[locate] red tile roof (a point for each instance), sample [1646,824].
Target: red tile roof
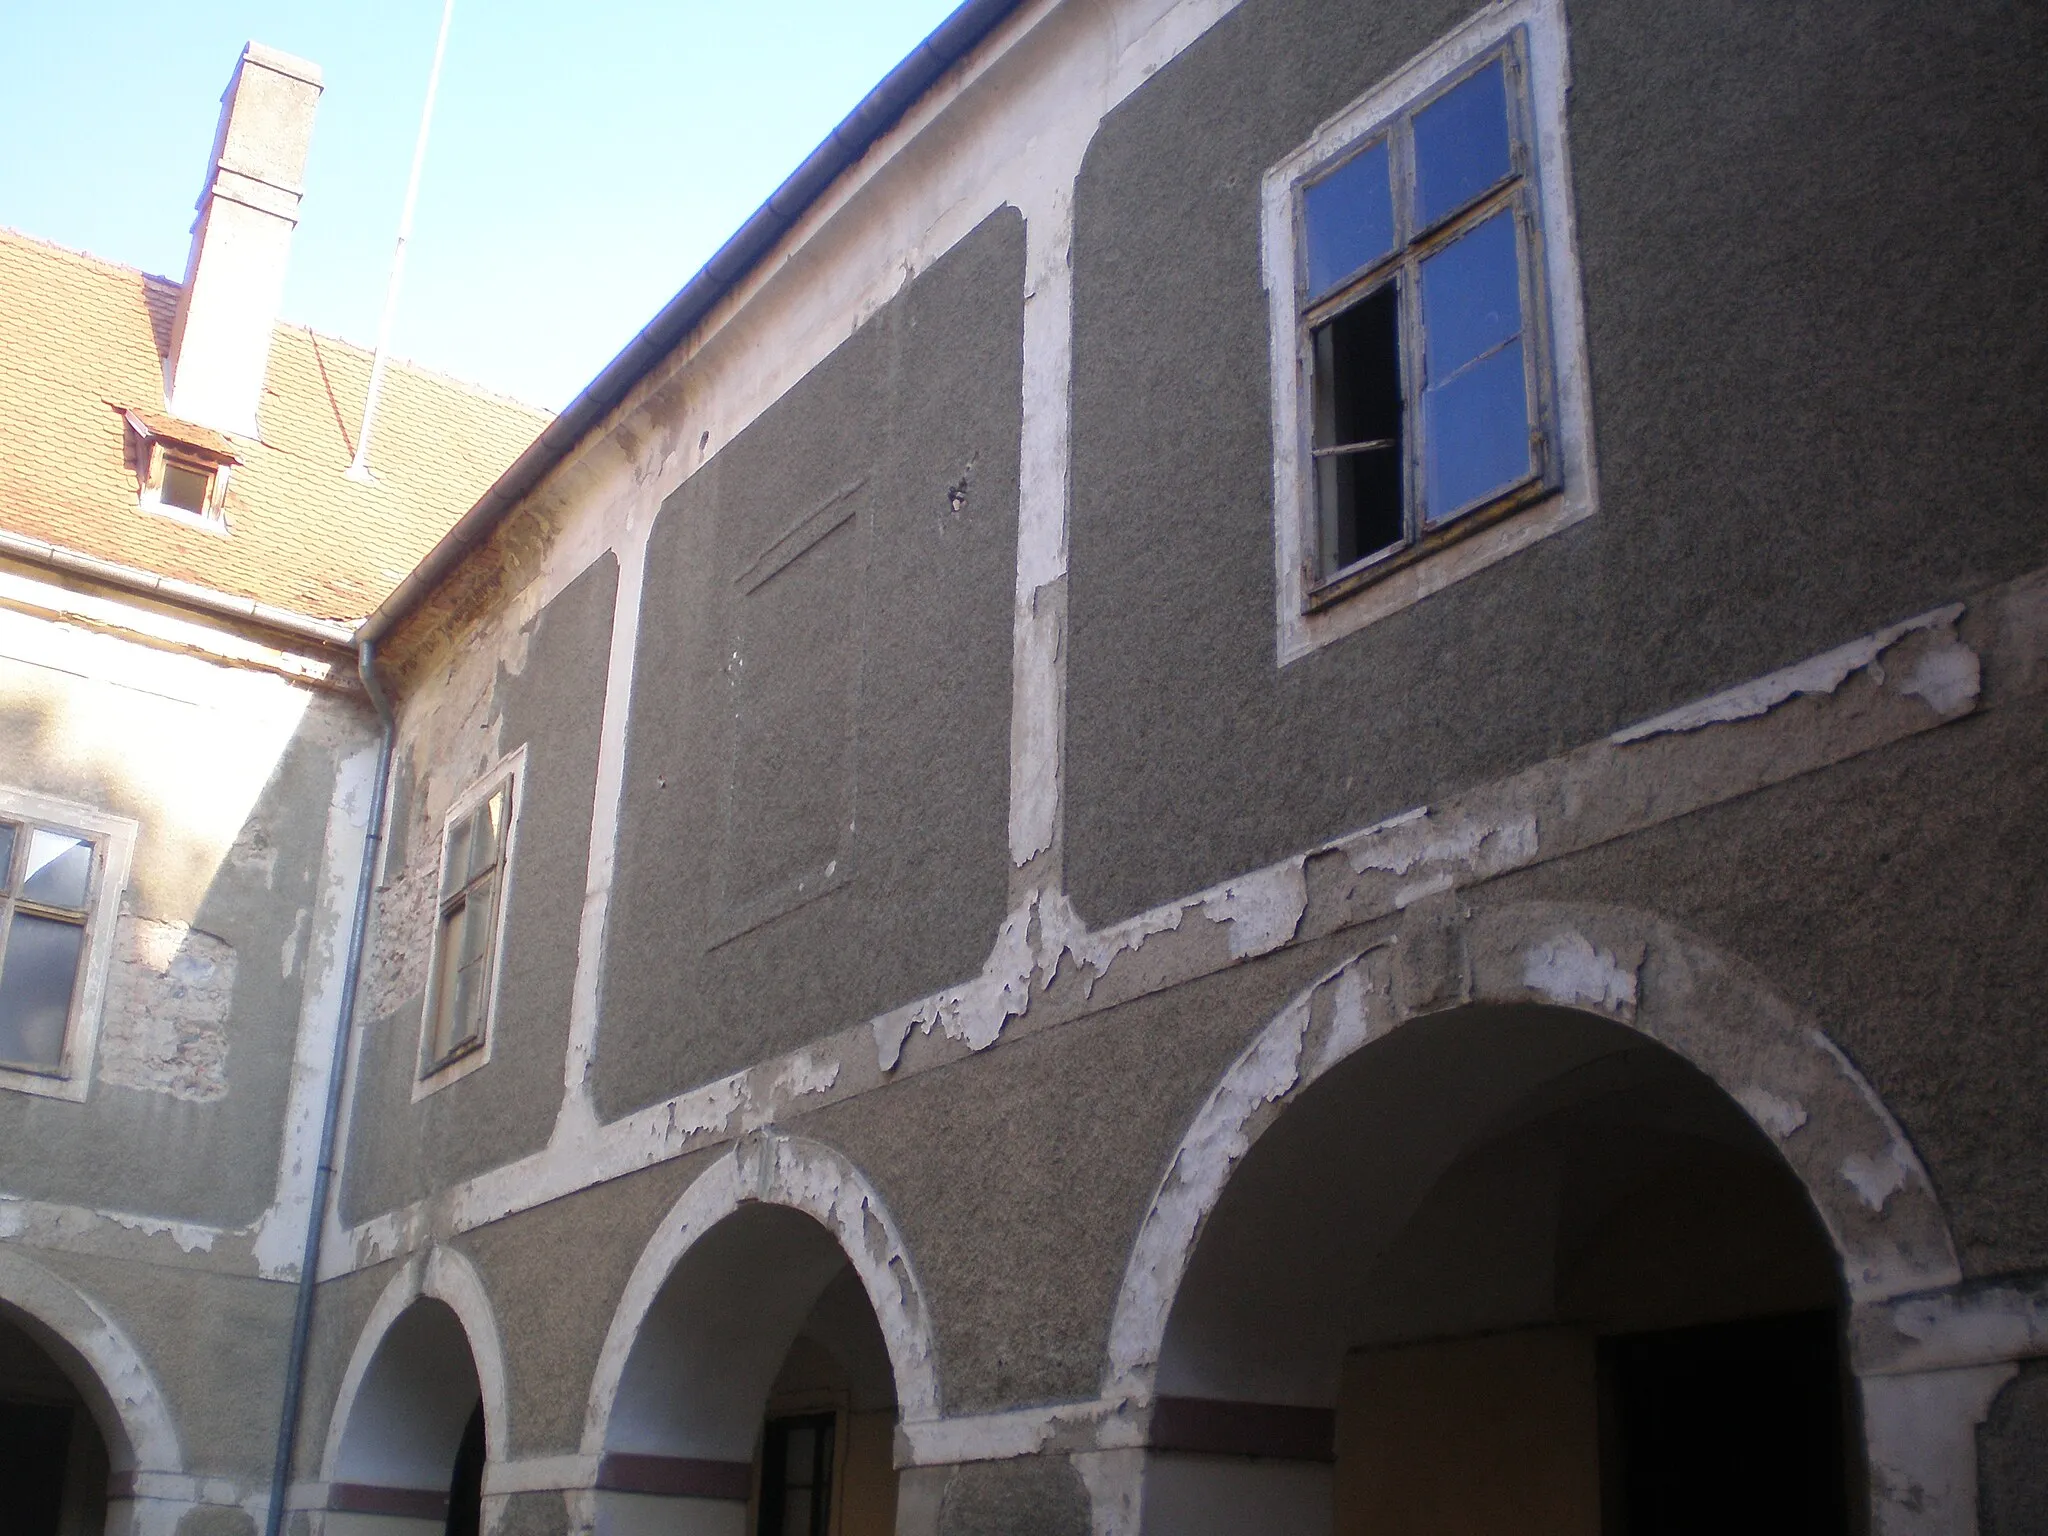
[80,338]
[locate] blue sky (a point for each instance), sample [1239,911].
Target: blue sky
[586,159]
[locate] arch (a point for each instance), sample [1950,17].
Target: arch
[1865,1182]
[101,1361]
[765,1169]
[443,1275]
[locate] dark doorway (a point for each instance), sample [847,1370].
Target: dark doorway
[466,1488]
[1729,1427]
[35,1440]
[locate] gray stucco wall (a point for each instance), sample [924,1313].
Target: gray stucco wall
[187,1124]
[815,800]
[1818,399]
[554,705]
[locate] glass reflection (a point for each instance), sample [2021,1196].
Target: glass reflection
[36,978]
[59,870]
[1478,432]
[1349,216]
[1461,145]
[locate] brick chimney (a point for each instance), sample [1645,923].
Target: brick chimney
[234,277]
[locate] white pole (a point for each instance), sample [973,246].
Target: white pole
[359,469]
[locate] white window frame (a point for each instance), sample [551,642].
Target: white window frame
[431,1076]
[115,836]
[1306,619]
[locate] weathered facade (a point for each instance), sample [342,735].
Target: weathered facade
[945,952]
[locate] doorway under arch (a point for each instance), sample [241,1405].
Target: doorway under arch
[54,1457]
[1507,1268]
[769,1341]
[409,1458]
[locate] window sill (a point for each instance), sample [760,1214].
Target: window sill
[53,1084]
[1365,594]
[452,1068]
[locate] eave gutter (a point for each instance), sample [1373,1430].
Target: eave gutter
[879,111]
[184,594]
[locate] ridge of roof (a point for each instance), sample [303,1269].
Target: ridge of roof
[965,29]
[88,257]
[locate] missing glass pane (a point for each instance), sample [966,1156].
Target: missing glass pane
[1358,438]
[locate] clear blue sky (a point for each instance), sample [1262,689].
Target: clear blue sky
[586,158]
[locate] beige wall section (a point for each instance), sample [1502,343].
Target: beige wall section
[1473,1436]
[867,1476]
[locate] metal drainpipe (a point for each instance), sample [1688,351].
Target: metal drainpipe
[323,1175]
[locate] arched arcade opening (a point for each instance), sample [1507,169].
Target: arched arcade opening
[54,1452]
[1508,1269]
[765,1350]
[408,1456]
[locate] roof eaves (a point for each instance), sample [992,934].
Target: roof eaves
[879,111]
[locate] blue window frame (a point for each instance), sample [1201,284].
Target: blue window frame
[1420,302]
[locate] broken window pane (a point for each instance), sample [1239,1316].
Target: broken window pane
[1471,297]
[1461,145]
[59,870]
[1349,216]
[37,974]
[1358,429]
[1477,426]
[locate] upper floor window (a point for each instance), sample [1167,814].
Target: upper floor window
[61,871]
[1418,253]
[476,857]
[180,469]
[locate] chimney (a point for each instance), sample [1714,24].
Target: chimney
[234,277]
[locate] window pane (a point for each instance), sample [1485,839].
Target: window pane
[1471,297]
[477,913]
[183,488]
[1461,145]
[1478,426]
[490,826]
[59,870]
[1349,218]
[36,977]
[7,830]
[455,862]
[447,969]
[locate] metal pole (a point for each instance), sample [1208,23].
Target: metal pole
[359,468]
[337,1067]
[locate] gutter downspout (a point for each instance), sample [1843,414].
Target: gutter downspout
[323,1175]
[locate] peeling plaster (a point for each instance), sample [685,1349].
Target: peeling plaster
[1779,1115]
[1877,1179]
[1569,971]
[1947,678]
[165,1029]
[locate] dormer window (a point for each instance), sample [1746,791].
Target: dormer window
[181,470]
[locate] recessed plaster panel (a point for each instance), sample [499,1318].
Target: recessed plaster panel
[554,705]
[814,809]
[1801,235]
